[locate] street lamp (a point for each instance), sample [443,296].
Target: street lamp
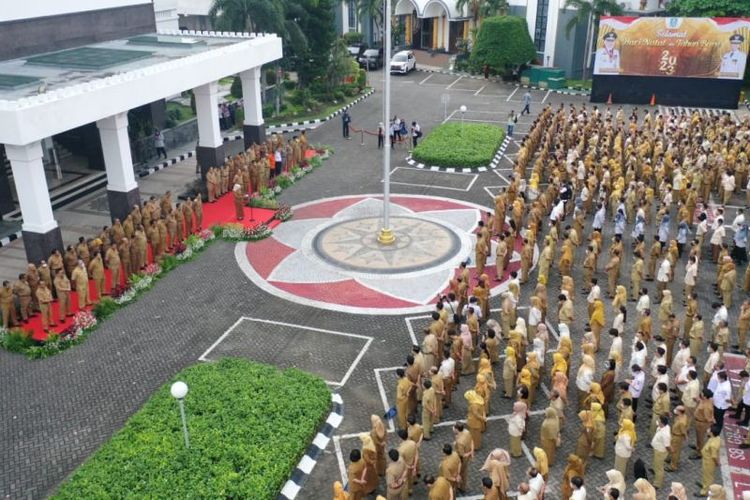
[463,112]
[179,390]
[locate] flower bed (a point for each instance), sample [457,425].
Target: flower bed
[85,322]
[249,425]
[456,145]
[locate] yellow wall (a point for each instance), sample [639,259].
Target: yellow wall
[435,27]
[408,30]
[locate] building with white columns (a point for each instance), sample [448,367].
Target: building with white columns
[43,94]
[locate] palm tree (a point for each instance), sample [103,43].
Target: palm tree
[374,9]
[248,15]
[589,12]
[475,8]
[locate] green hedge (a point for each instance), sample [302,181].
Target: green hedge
[454,145]
[249,426]
[503,42]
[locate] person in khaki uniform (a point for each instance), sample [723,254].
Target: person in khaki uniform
[704,419]
[403,388]
[613,273]
[44,297]
[481,251]
[450,467]
[728,282]
[500,252]
[114,264]
[660,443]
[710,458]
[679,434]
[141,246]
[464,447]
[654,255]
[8,305]
[22,289]
[476,419]
[395,477]
[356,474]
[70,260]
[198,211]
[62,287]
[81,279]
[55,263]
[82,249]
[410,455]
[96,272]
[429,408]
[696,335]
[636,275]
[187,211]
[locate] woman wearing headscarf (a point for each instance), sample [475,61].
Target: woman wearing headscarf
[338,491]
[541,462]
[496,466]
[677,490]
[370,457]
[616,481]
[467,363]
[516,427]
[665,309]
[476,419]
[509,372]
[621,297]
[380,438]
[568,285]
[539,345]
[532,365]
[607,384]
[524,382]
[644,490]
[558,364]
[541,293]
[564,344]
[560,384]
[550,434]
[600,429]
[482,387]
[717,492]
[584,378]
[624,445]
[595,395]
[596,320]
[575,467]
[239,202]
[586,437]
[535,314]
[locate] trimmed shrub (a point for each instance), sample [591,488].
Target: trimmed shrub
[454,145]
[249,425]
[502,43]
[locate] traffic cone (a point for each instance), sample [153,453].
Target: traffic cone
[653,99]
[609,99]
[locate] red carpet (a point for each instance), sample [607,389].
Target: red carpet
[220,212]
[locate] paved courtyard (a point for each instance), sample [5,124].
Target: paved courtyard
[56,412]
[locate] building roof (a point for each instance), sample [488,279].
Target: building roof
[73,87]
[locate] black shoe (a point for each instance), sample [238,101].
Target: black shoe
[693,447]
[695,457]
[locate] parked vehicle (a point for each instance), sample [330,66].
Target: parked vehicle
[403,62]
[371,59]
[356,50]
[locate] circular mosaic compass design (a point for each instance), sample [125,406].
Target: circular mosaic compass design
[327,255]
[353,245]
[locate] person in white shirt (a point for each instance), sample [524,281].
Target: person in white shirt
[558,211]
[722,398]
[721,315]
[595,293]
[659,359]
[536,482]
[663,275]
[744,403]
[584,378]
[681,357]
[662,377]
[660,443]
[636,386]
[644,302]
[639,353]
[615,350]
[728,185]
[525,493]
[717,238]
[739,219]
[713,359]
[579,490]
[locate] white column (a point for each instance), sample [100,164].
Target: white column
[207,109]
[251,96]
[553,15]
[116,149]
[531,16]
[31,187]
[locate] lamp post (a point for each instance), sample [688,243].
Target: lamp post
[386,236]
[179,390]
[463,112]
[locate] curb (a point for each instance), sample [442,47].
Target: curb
[452,170]
[320,120]
[305,466]
[166,163]
[4,242]
[566,91]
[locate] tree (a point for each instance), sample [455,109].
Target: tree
[374,9]
[475,8]
[589,12]
[709,8]
[502,43]
[247,15]
[494,7]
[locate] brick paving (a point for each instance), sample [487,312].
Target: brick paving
[56,412]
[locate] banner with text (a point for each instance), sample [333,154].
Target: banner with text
[697,47]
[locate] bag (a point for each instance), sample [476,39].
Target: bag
[515,119]
[419,133]
[403,130]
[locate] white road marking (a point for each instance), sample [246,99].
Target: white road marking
[480,90]
[512,93]
[427,78]
[546,95]
[454,82]
[383,395]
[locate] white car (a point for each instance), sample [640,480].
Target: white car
[403,62]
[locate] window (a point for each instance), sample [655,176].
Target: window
[540,29]
[351,7]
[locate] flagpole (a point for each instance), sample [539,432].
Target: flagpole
[386,236]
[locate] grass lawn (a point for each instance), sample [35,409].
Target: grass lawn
[584,84]
[249,425]
[456,145]
[322,112]
[185,112]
